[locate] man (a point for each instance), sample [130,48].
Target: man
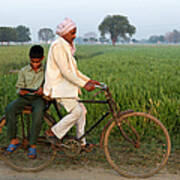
[63,79]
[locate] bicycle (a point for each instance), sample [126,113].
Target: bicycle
[135,144]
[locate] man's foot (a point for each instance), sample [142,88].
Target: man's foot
[52,138]
[32,152]
[13,146]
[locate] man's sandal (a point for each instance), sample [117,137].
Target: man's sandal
[52,138]
[12,147]
[32,153]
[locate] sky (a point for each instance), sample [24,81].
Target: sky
[150,17]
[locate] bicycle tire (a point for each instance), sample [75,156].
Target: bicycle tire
[139,148]
[19,161]
[3,137]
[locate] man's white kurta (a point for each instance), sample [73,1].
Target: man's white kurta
[62,78]
[62,81]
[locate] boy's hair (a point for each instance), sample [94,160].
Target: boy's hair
[36,51]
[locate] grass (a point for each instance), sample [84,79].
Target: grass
[142,78]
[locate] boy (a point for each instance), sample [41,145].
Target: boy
[29,85]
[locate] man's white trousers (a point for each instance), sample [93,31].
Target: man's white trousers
[77,115]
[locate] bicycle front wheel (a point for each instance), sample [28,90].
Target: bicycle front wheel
[137,145]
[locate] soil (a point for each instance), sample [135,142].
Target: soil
[87,167]
[85,173]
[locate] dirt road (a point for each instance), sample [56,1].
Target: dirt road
[78,174]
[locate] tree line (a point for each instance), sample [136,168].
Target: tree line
[169,37]
[117,26]
[22,34]
[17,34]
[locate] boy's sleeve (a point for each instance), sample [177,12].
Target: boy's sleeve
[21,81]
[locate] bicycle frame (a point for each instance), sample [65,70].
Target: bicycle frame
[109,101]
[108,140]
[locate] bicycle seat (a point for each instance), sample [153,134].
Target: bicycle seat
[28,109]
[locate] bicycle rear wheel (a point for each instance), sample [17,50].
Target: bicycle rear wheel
[19,160]
[3,136]
[137,146]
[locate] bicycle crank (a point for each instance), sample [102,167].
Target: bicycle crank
[71,147]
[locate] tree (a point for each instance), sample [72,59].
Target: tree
[176,36]
[45,34]
[104,40]
[173,37]
[135,41]
[169,37]
[23,34]
[90,37]
[156,39]
[8,34]
[116,26]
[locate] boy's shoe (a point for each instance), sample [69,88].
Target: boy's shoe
[13,146]
[32,153]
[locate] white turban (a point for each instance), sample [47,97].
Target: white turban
[65,26]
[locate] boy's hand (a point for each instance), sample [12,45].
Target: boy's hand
[39,91]
[23,92]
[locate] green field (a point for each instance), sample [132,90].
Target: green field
[142,78]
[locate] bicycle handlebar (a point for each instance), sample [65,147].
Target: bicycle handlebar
[102,86]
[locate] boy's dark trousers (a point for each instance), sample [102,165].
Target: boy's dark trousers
[38,106]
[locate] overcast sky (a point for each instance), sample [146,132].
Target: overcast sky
[150,17]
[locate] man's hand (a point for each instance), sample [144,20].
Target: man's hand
[23,92]
[39,91]
[89,86]
[95,82]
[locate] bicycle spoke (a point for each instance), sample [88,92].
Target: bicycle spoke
[19,160]
[133,160]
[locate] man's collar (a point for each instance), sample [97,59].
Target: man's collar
[64,41]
